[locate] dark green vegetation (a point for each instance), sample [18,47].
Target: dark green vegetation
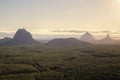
[44,63]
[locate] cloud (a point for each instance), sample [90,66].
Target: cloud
[78,31]
[3,34]
[93,32]
[100,31]
[69,31]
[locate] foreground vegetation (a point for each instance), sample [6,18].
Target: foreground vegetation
[45,63]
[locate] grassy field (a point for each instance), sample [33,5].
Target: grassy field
[96,62]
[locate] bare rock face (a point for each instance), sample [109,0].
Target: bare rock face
[23,35]
[21,38]
[87,37]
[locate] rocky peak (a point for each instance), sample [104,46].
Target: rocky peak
[87,37]
[21,38]
[107,38]
[22,35]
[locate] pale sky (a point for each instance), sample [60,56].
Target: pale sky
[43,16]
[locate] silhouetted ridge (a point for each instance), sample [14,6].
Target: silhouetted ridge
[22,35]
[108,40]
[4,40]
[69,42]
[21,38]
[87,37]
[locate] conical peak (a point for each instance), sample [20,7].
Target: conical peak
[87,33]
[107,38]
[87,37]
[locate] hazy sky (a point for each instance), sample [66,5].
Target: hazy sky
[40,16]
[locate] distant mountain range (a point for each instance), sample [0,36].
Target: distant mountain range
[87,37]
[23,38]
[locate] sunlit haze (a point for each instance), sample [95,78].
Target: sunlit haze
[61,17]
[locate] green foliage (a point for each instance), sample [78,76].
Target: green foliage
[16,68]
[44,63]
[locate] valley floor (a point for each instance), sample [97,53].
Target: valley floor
[96,62]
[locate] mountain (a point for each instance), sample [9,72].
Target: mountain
[4,40]
[108,40]
[23,35]
[67,42]
[87,37]
[21,38]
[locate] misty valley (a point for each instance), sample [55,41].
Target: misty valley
[59,39]
[23,58]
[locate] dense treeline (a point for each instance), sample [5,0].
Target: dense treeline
[44,63]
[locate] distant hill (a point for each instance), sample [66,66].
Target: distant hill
[87,37]
[4,40]
[108,40]
[67,42]
[21,38]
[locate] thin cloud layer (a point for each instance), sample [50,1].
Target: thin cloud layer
[77,31]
